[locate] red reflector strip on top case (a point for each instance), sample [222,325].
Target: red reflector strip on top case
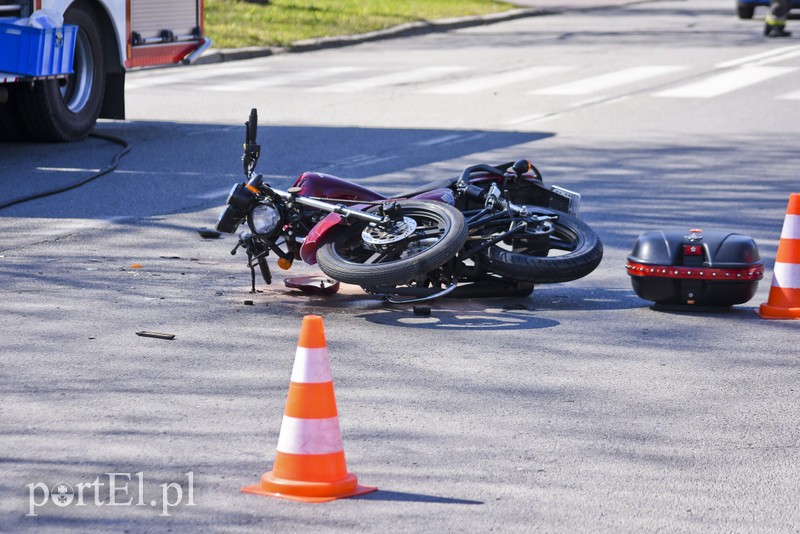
[692,250]
[695,273]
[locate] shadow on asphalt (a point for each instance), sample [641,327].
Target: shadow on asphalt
[461,319]
[176,168]
[400,496]
[626,189]
[504,314]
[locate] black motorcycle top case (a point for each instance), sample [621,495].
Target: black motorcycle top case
[711,268]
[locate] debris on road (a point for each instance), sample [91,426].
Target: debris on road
[207,233]
[315,285]
[158,335]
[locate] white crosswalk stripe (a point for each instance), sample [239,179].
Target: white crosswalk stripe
[393,78]
[608,81]
[185,74]
[492,81]
[725,78]
[789,96]
[762,58]
[725,82]
[283,79]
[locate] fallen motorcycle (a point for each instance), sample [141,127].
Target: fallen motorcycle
[375,243]
[493,231]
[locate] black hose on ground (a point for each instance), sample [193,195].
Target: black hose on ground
[111,167]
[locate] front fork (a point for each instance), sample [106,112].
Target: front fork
[257,251]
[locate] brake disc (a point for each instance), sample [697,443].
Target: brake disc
[538,226]
[379,235]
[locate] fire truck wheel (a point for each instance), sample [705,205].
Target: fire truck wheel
[67,109]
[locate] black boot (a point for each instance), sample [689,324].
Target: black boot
[775,30]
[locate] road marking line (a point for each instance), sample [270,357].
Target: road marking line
[273,80]
[65,169]
[438,140]
[782,57]
[181,75]
[372,160]
[769,55]
[221,193]
[482,83]
[394,78]
[449,139]
[137,173]
[725,82]
[789,96]
[356,158]
[528,118]
[607,81]
[591,102]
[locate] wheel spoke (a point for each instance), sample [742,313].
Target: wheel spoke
[377,257]
[419,236]
[426,232]
[558,244]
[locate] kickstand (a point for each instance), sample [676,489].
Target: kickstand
[252,272]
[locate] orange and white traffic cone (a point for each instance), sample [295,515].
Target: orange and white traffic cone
[309,460]
[784,295]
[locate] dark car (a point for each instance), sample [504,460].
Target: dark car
[747,8]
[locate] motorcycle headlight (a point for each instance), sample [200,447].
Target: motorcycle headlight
[240,197]
[229,219]
[265,219]
[239,201]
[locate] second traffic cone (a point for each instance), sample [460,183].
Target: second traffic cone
[309,460]
[784,294]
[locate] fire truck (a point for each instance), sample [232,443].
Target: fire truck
[109,37]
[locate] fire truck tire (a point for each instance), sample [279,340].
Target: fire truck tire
[67,110]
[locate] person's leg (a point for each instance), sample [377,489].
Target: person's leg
[775,22]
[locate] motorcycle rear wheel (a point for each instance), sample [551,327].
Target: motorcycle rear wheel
[573,251]
[439,234]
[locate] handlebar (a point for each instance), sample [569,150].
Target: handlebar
[493,197]
[482,167]
[252,150]
[252,127]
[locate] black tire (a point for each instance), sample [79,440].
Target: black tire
[67,110]
[745,11]
[577,249]
[349,259]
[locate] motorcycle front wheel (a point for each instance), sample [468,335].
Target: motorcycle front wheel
[570,251]
[425,236]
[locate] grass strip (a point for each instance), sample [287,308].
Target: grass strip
[245,23]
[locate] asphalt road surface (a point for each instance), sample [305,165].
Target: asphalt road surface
[577,408]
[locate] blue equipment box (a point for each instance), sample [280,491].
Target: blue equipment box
[31,51]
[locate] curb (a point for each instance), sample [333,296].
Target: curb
[404,30]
